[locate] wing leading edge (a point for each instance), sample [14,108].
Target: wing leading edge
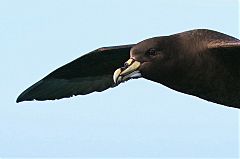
[88,73]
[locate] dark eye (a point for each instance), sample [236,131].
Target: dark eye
[151,52]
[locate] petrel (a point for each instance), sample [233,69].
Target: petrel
[201,62]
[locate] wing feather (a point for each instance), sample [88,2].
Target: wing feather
[89,73]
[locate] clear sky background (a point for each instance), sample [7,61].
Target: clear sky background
[139,118]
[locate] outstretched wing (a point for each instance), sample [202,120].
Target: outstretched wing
[89,73]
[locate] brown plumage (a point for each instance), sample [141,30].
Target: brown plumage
[203,63]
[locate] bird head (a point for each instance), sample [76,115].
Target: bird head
[149,58]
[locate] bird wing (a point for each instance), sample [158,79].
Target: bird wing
[227,51]
[88,73]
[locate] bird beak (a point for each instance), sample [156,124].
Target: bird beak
[129,71]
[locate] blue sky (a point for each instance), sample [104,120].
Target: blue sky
[139,118]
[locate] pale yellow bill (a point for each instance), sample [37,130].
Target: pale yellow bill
[129,71]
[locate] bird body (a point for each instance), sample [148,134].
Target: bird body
[201,62]
[197,64]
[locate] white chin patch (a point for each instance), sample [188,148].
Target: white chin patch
[133,75]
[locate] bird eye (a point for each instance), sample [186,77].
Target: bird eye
[151,52]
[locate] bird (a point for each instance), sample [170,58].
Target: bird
[200,62]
